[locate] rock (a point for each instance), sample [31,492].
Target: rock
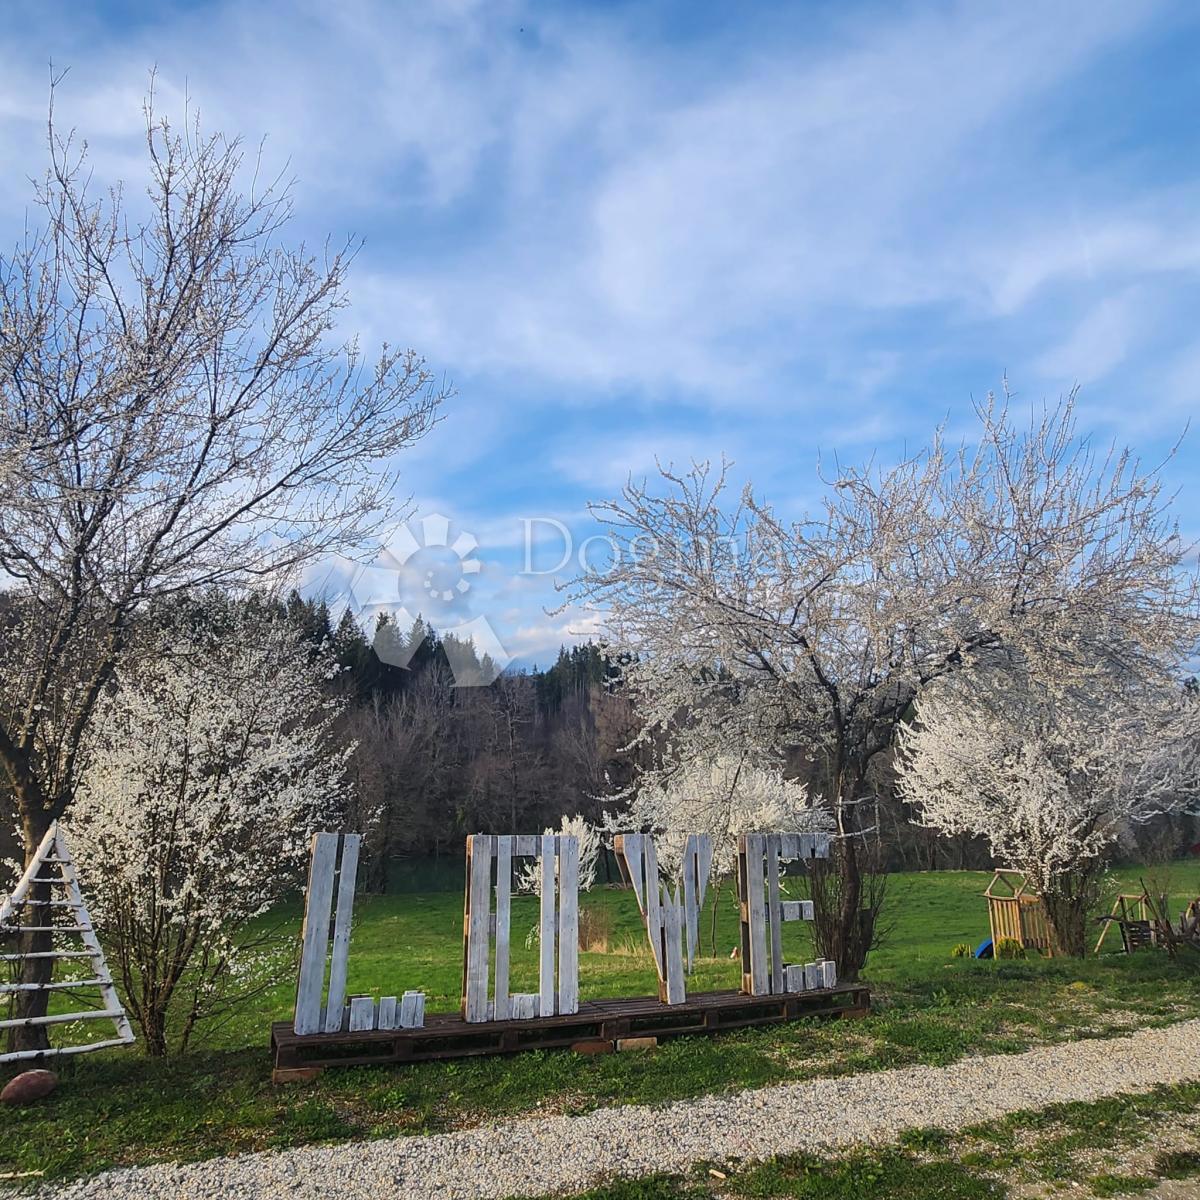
[637,1043]
[593,1046]
[28,1087]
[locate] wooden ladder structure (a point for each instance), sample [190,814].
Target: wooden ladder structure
[53,868]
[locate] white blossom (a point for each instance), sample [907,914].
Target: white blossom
[724,798]
[209,766]
[1050,776]
[529,876]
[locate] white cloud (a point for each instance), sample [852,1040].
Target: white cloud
[1099,341]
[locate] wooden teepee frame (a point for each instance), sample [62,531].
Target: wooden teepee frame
[52,866]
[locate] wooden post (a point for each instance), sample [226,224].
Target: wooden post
[315,939]
[340,955]
[546,930]
[568,924]
[476,920]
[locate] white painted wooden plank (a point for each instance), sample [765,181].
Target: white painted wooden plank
[87,934]
[828,973]
[568,924]
[408,1005]
[672,910]
[654,918]
[362,1014]
[475,997]
[691,913]
[387,1012]
[704,870]
[318,899]
[339,958]
[774,920]
[546,966]
[525,1006]
[30,875]
[504,848]
[759,979]
[631,849]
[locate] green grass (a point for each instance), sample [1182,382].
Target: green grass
[1047,1148]
[122,1108]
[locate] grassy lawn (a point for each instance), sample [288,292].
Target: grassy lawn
[123,1108]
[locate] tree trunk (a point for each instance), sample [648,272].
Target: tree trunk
[35,824]
[847,891]
[1068,902]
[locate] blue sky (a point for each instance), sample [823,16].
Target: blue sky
[680,230]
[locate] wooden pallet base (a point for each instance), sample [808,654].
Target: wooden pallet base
[447,1035]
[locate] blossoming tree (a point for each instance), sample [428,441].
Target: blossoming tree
[817,635]
[208,765]
[1052,775]
[176,412]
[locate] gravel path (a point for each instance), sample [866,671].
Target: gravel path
[533,1156]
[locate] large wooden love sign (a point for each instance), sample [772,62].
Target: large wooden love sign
[328,1027]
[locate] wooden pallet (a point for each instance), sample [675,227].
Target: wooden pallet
[447,1035]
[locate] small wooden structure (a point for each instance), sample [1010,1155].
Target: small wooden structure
[487,933]
[762,913]
[1017,913]
[668,915]
[48,900]
[318,1010]
[597,1025]
[1132,915]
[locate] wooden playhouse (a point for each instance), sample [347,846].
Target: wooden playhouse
[1017,913]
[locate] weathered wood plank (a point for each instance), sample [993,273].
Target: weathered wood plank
[504,847]
[526,845]
[631,850]
[828,973]
[339,958]
[525,1006]
[318,899]
[568,924]
[774,918]
[475,993]
[387,1012]
[794,977]
[653,911]
[813,976]
[691,912]
[796,910]
[546,929]
[412,1010]
[362,1013]
[760,983]
[672,912]
[704,868]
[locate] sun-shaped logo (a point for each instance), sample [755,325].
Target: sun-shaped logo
[424,559]
[446,577]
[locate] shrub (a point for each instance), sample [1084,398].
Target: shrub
[595,928]
[962,950]
[1009,948]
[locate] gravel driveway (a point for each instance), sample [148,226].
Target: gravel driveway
[536,1155]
